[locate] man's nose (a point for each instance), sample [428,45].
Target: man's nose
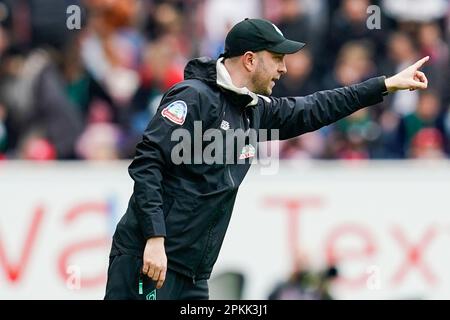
[283,68]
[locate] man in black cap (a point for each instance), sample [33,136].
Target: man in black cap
[166,244]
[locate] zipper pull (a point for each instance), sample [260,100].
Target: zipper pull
[193,280]
[141,285]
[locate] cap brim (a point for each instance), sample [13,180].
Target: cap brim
[287,47]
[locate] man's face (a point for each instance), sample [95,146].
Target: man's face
[269,68]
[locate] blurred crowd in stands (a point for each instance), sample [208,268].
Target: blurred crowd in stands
[89,93]
[305,282]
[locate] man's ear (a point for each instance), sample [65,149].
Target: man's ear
[249,60]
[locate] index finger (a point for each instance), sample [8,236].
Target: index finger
[420,63]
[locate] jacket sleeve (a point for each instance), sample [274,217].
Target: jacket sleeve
[153,158]
[297,115]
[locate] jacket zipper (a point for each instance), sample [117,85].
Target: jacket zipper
[245,121]
[243,127]
[231,177]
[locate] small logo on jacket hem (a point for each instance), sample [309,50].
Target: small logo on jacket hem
[151,295]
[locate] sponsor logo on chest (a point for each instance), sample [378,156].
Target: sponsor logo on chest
[248,151]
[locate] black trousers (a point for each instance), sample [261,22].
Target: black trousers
[125,282]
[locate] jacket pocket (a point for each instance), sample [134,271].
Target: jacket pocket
[179,218]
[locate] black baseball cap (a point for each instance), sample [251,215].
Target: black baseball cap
[256,35]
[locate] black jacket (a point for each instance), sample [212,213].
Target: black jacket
[191,204]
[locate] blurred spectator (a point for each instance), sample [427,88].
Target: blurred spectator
[311,14]
[100,141]
[431,43]
[428,143]
[32,92]
[166,20]
[161,69]
[358,132]
[354,64]
[111,51]
[402,52]
[305,284]
[307,146]
[317,12]
[293,21]
[38,149]
[4,41]
[427,115]
[299,81]
[219,16]
[348,23]
[82,89]
[388,145]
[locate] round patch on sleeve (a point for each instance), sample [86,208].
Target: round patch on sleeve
[175,112]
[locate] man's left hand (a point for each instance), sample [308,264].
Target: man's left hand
[410,78]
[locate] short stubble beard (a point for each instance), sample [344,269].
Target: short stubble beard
[258,81]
